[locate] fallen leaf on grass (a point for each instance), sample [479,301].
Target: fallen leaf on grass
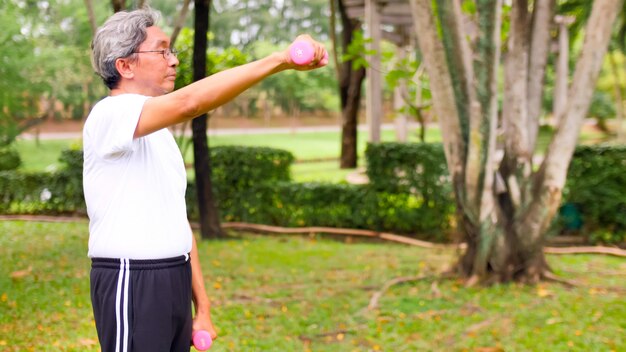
[21,273]
[87,342]
[543,292]
[553,321]
[597,291]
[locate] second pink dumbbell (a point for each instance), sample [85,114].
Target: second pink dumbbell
[201,340]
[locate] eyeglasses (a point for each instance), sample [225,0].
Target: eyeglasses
[167,53]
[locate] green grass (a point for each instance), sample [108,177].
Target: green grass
[322,171]
[290,293]
[305,145]
[320,150]
[43,155]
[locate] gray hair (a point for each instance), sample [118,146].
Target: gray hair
[119,37]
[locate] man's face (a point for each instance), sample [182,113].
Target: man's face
[154,73]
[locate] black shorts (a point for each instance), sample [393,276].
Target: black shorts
[142,305]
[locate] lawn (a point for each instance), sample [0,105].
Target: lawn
[43,155]
[317,153]
[292,293]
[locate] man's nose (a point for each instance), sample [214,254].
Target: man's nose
[173,61]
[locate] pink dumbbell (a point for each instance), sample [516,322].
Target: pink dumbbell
[201,340]
[302,52]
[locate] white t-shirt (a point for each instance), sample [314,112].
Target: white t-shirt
[134,188]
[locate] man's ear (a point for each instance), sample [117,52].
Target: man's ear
[125,67]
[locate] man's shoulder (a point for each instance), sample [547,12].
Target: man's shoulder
[113,105]
[120,100]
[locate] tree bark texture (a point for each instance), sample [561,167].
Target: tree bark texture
[350,82]
[504,211]
[210,226]
[92,16]
[537,62]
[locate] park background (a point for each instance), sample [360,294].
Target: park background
[316,291]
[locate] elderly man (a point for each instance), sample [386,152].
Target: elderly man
[145,267]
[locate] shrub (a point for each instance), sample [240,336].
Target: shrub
[253,184]
[236,172]
[44,193]
[39,193]
[596,187]
[336,205]
[416,171]
[238,168]
[9,159]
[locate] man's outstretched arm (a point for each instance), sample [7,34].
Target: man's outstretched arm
[211,92]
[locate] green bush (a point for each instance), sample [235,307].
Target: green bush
[596,186]
[336,205]
[237,171]
[418,168]
[252,185]
[417,175]
[9,159]
[303,204]
[39,193]
[409,191]
[60,192]
[238,168]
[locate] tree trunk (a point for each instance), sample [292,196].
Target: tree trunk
[350,82]
[619,97]
[550,179]
[210,226]
[537,61]
[91,16]
[118,5]
[562,71]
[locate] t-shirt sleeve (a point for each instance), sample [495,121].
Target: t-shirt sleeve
[113,128]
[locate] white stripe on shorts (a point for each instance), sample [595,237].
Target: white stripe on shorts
[122,277]
[127,275]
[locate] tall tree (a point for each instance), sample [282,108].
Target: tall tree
[45,66]
[210,226]
[350,82]
[506,206]
[17,100]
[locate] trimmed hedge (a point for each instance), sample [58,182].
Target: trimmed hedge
[420,203]
[416,169]
[409,191]
[596,189]
[60,192]
[334,205]
[238,170]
